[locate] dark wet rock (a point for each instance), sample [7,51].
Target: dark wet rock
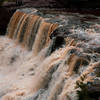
[89,90]
[61,31]
[58,42]
[94,89]
[5,16]
[79,3]
[19,2]
[94,86]
[89,18]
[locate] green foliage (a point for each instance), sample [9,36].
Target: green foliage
[83,93]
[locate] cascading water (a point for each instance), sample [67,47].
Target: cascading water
[35,67]
[28,28]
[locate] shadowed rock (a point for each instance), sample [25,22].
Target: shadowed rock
[5,16]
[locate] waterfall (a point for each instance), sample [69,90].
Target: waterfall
[42,60]
[13,23]
[31,31]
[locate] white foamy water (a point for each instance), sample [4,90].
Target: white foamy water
[30,71]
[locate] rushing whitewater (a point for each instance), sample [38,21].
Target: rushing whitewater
[43,56]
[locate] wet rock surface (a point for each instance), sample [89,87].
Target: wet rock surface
[5,16]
